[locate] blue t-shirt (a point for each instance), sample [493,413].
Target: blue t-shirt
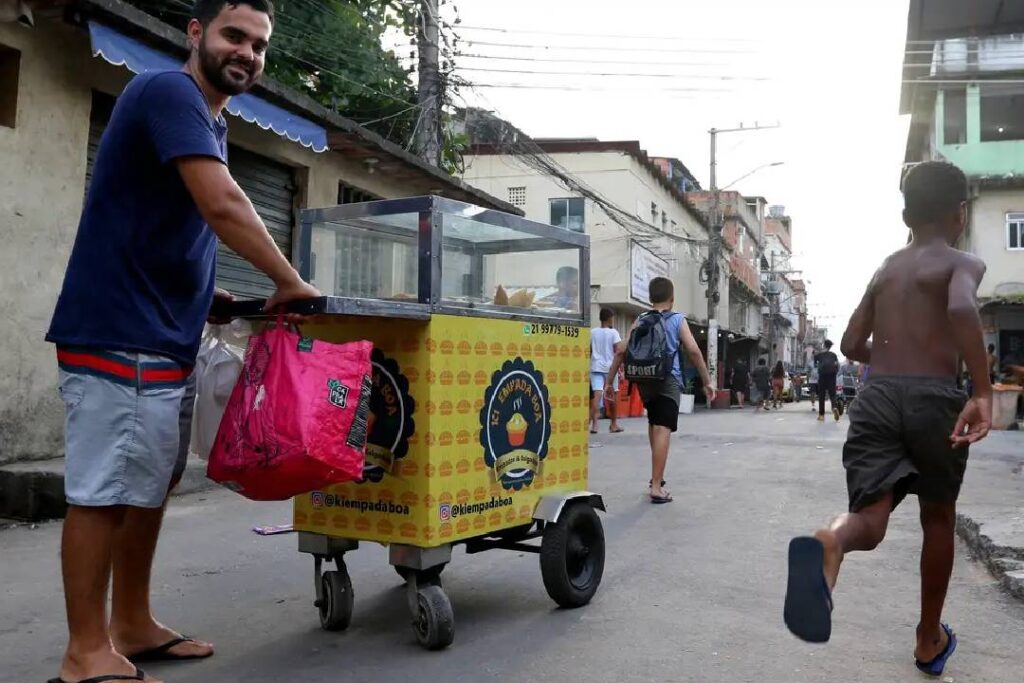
[142,269]
[673,323]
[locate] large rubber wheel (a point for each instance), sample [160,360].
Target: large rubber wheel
[430,576]
[572,556]
[434,622]
[337,600]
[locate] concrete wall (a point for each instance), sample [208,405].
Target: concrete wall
[622,180]
[41,187]
[42,178]
[1005,275]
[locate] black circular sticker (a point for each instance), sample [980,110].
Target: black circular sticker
[516,421]
[390,421]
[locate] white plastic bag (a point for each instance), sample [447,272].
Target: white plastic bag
[217,368]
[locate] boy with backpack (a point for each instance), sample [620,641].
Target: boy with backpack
[651,358]
[910,427]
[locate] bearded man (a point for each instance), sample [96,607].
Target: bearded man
[127,326]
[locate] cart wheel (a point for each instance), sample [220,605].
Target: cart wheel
[434,622]
[572,556]
[424,577]
[337,601]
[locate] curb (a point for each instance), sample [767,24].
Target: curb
[1005,563]
[34,491]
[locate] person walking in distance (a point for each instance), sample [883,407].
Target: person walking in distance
[993,363]
[778,384]
[603,341]
[661,392]
[127,325]
[740,381]
[828,372]
[762,383]
[812,386]
[910,428]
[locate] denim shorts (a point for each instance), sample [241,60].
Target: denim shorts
[126,443]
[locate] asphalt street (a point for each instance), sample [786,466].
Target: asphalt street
[692,591]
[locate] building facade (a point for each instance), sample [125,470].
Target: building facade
[967,107]
[742,241]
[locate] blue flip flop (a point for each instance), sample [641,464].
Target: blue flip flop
[808,610]
[937,665]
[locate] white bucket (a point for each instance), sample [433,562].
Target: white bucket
[686,404]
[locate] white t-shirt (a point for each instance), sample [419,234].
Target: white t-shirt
[602,348]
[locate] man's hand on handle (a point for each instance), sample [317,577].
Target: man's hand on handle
[292,289]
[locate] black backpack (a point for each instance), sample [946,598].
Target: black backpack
[648,358]
[828,363]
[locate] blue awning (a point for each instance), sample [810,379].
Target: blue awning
[122,50]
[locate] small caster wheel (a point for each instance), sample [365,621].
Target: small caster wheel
[424,577]
[434,621]
[337,600]
[572,556]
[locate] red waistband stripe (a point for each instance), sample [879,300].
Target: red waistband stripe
[122,369]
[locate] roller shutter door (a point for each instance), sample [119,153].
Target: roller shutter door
[271,188]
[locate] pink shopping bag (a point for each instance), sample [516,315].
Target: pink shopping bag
[297,418]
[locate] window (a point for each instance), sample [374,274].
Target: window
[664,221]
[654,213]
[1015,231]
[517,196]
[10,61]
[954,110]
[675,227]
[1002,112]
[353,195]
[567,213]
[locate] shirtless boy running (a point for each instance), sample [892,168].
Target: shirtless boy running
[910,427]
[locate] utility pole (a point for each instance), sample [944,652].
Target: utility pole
[773,302]
[428,126]
[715,247]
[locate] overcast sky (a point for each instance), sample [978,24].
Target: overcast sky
[829,72]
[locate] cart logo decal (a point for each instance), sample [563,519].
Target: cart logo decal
[446,512]
[516,421]
[390,422]
[338,393]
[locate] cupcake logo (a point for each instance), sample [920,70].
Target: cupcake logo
[391,423]
[516,421]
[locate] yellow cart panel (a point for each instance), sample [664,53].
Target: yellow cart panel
[474,420]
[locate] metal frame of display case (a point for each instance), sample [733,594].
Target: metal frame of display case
[431,245]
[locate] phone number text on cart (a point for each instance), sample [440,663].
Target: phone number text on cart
[558,330]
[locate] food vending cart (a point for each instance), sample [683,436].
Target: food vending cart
[478,427]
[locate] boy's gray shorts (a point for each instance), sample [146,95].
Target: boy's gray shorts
[125,444]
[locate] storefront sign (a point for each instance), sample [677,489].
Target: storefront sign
[644,266]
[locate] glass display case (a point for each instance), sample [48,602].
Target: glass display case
[440,255]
